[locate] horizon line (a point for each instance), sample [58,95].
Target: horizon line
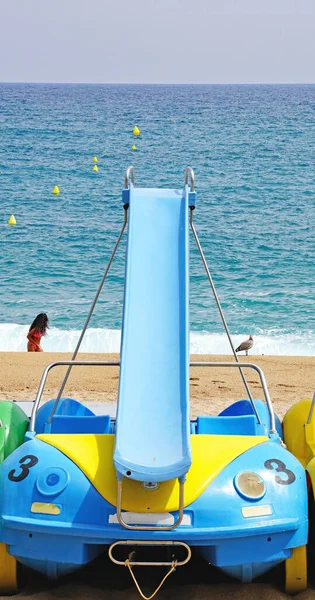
[155,83]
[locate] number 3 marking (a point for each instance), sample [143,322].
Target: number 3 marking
[279,466]
[25,468]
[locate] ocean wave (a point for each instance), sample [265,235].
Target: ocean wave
[271,342]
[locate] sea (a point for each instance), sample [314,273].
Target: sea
[252,148]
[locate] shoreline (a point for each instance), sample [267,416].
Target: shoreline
[289,379]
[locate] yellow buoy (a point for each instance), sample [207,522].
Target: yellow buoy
[95,168]
[12,220]
[136,131]
[134,147]
[95,158]
[56,190]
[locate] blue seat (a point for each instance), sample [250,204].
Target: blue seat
[236,425]
[71,417]
[245,407]
[78,424]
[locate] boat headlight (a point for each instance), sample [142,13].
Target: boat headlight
[250,485]
[52,481]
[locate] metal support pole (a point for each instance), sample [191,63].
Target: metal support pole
[89,315]
[221,312]
[309,418]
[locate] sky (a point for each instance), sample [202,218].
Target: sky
[157,41]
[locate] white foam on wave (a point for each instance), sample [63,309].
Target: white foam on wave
[279,344]
[13,339]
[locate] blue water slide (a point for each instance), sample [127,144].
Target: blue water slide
[152,436]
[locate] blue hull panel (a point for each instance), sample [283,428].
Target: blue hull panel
[215,523]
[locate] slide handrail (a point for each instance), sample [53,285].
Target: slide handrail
[129,177]
[189,174]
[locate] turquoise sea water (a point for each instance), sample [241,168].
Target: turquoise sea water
[253,152]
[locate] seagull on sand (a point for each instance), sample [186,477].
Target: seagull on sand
[246,345]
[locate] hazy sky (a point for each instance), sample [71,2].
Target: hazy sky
[172,41]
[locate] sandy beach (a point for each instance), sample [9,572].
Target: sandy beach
[288,378]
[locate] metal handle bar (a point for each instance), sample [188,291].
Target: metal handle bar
[262,381]
[131,563]
[122,522]
[101,363]
[63,363]
[190,173]
[136,543]
[130,176]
